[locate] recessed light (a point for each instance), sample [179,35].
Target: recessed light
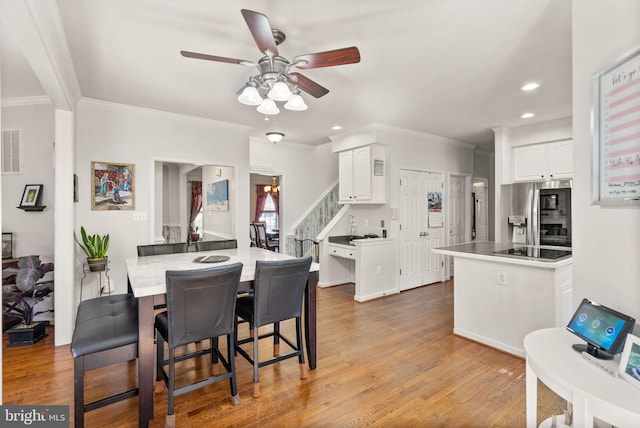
[336,127]
[530,86]
[527,115]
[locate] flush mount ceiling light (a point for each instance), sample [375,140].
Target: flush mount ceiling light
[275,137]
[530,86]
[527,115]
[277,81]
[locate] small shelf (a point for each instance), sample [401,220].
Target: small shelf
[30,208]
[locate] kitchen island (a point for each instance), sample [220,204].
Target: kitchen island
[499,298]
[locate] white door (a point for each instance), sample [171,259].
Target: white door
[481,210]
[418,264]
[433,264]
[456,213]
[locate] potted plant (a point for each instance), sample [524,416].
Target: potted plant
[95,247]
[28,299]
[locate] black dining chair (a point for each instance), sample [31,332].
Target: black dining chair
[200,305]
[253,235]
[277,296]
[158,249]
[159,302]
[263,239]
[224,244]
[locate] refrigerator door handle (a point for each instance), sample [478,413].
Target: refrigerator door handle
[535,217]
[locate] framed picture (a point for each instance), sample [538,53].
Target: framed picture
[32,195]
[629,368]
[616,133]
[7,245]
[75,188]
[112,186]
[218,195]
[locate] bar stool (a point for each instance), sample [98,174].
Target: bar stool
[200,305]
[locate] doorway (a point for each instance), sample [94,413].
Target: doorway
[456,207]
[266,204]
[170,212]
[421,228]
[480,215]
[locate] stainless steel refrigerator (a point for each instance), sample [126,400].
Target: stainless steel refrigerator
[537,213]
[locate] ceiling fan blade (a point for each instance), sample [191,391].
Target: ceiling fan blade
[214,58]
[308,85]
[329,58]
[261,31]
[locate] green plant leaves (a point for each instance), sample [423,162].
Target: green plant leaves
[95,246]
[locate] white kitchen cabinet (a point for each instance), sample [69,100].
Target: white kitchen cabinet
[362,175]
[545,161]
[341,251]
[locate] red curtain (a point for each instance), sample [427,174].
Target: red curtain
[260,201]
[275,197]
[196,202]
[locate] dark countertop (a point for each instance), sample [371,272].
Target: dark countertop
[489,250]
[351,239]
[344,239]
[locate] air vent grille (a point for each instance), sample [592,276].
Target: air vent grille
[10,152]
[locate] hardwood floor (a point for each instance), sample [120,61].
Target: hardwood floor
[391,362]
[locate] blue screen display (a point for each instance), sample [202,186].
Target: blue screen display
[599,327]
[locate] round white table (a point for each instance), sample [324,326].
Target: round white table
[591,390]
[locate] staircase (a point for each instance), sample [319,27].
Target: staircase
[301,242]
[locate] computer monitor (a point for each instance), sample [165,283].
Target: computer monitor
[604,329]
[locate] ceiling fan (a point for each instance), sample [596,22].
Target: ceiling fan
[276,79]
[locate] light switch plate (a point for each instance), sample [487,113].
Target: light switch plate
[139,216]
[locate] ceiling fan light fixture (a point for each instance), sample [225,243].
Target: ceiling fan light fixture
[280,92]
[250,96]
[295,103]
[268,106]
[275,137]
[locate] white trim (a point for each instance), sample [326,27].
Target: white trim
[26,101]
[163,114]
[377,295]
[329,227]
[373,128]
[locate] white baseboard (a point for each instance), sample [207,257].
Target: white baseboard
[490,342]
[388,292]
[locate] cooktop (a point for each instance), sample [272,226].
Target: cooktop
[535,253]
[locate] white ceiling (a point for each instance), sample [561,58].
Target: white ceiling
[452,68]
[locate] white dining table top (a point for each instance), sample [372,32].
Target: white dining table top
[147,274]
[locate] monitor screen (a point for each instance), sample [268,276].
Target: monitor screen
[601,327]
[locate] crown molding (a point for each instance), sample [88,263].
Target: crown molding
[38,30]
[25,101]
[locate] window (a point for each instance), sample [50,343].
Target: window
[269,214]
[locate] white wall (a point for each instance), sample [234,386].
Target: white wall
[606,241]
[114,133]
[306,172]
[32,231]
[220,223]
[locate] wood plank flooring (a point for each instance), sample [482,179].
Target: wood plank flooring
[391,362]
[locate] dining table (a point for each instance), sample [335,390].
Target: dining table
[146,276]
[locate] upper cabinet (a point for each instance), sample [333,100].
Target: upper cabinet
[546,161]
[362,175]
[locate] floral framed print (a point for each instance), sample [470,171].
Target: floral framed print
[112,186]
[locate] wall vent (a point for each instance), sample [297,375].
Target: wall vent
[10,152]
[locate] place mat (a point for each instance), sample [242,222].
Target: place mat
[211,259]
